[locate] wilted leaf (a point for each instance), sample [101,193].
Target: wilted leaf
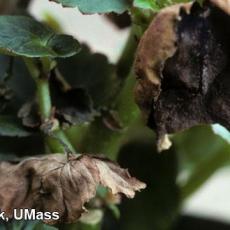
[97,6]
[12,127]
[23,36]
[182,64]
[6,95]
[29,115]
[72,105]
[55,183]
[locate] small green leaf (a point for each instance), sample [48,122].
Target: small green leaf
[146,4]
[97,6]
[11,127]
[23,36]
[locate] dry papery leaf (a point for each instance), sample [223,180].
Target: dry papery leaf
[183,67]
[57,183]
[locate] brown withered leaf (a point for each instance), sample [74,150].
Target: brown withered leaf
[6,95]
[72,105]
[182,64]
[57,183]
[28,113]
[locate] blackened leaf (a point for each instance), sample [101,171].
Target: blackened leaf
[93,73]
[23,36]
[12,127]
[72,105]
[97,6]
[120,20]
[183,67]
[62,184]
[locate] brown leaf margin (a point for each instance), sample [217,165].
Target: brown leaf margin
[60,183]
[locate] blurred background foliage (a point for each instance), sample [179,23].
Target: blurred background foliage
[99,115]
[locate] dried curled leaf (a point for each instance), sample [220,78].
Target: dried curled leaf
[54,183]
[182,65]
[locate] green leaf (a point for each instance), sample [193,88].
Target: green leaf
[146,4]
[12,127]
[23,36]
[201,153]
[197,144]
[97,6]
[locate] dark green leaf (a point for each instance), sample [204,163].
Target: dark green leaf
[97,6]
[12,127]
[22,88]
[201,154]
[196,144]
[23,36]
[156,207]
[93,73]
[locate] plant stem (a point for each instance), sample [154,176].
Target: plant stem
[97,138]
[43,95]
[45,108]
[125,61]
[43,91]
[55,145]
